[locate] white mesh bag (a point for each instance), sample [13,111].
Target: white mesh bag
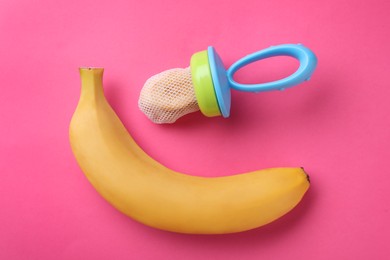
[168,96]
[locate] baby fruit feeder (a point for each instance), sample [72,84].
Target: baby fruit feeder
[209,89]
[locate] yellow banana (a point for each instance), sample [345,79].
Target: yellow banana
[156,196]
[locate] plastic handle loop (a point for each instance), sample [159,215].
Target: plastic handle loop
[305,56]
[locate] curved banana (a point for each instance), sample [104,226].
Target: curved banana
[154,195]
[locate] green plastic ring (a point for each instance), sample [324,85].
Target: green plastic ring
[203,84]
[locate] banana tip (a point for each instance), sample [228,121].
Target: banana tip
[307,175]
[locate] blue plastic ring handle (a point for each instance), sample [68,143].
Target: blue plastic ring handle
[305,56]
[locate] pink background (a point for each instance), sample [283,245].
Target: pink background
[336,125]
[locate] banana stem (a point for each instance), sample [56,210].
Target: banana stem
[91,82]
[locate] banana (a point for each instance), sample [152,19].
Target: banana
[159,197]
